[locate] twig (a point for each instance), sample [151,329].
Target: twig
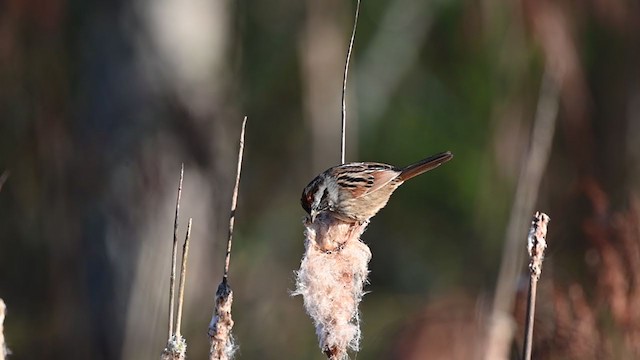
[501,326]
[172,277]
[343,131]
[536,244]
[234,201]
[183,277]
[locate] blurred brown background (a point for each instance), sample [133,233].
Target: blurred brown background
[100,102]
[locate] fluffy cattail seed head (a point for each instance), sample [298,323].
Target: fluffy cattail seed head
[331,280]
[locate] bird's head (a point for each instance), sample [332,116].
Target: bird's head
[315,197]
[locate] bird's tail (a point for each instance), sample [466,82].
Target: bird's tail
[425,165]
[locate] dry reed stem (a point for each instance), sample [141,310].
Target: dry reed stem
[343,131]
[234,199]
[331,278]
[183,277]
[536,245]
[501,324]
[222,343]
[176,348]
[4,351]
[174,250]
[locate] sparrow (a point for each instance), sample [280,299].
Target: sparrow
[355,192]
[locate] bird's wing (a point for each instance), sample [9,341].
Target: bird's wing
[380,179]
[364,178]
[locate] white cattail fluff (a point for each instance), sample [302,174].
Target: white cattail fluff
[331,280]
[176,348]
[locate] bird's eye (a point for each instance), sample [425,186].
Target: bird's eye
[306,200]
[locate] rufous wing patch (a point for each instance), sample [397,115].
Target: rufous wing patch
[376,179]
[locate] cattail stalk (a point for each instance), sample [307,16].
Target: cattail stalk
[223,346]
[536,245]
[176,348]
[343,129]
[174,250]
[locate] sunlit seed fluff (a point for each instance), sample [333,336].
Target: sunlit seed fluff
[331,280]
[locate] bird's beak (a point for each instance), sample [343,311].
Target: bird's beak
[313,215]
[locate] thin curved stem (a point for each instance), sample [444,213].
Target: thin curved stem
[343,131]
